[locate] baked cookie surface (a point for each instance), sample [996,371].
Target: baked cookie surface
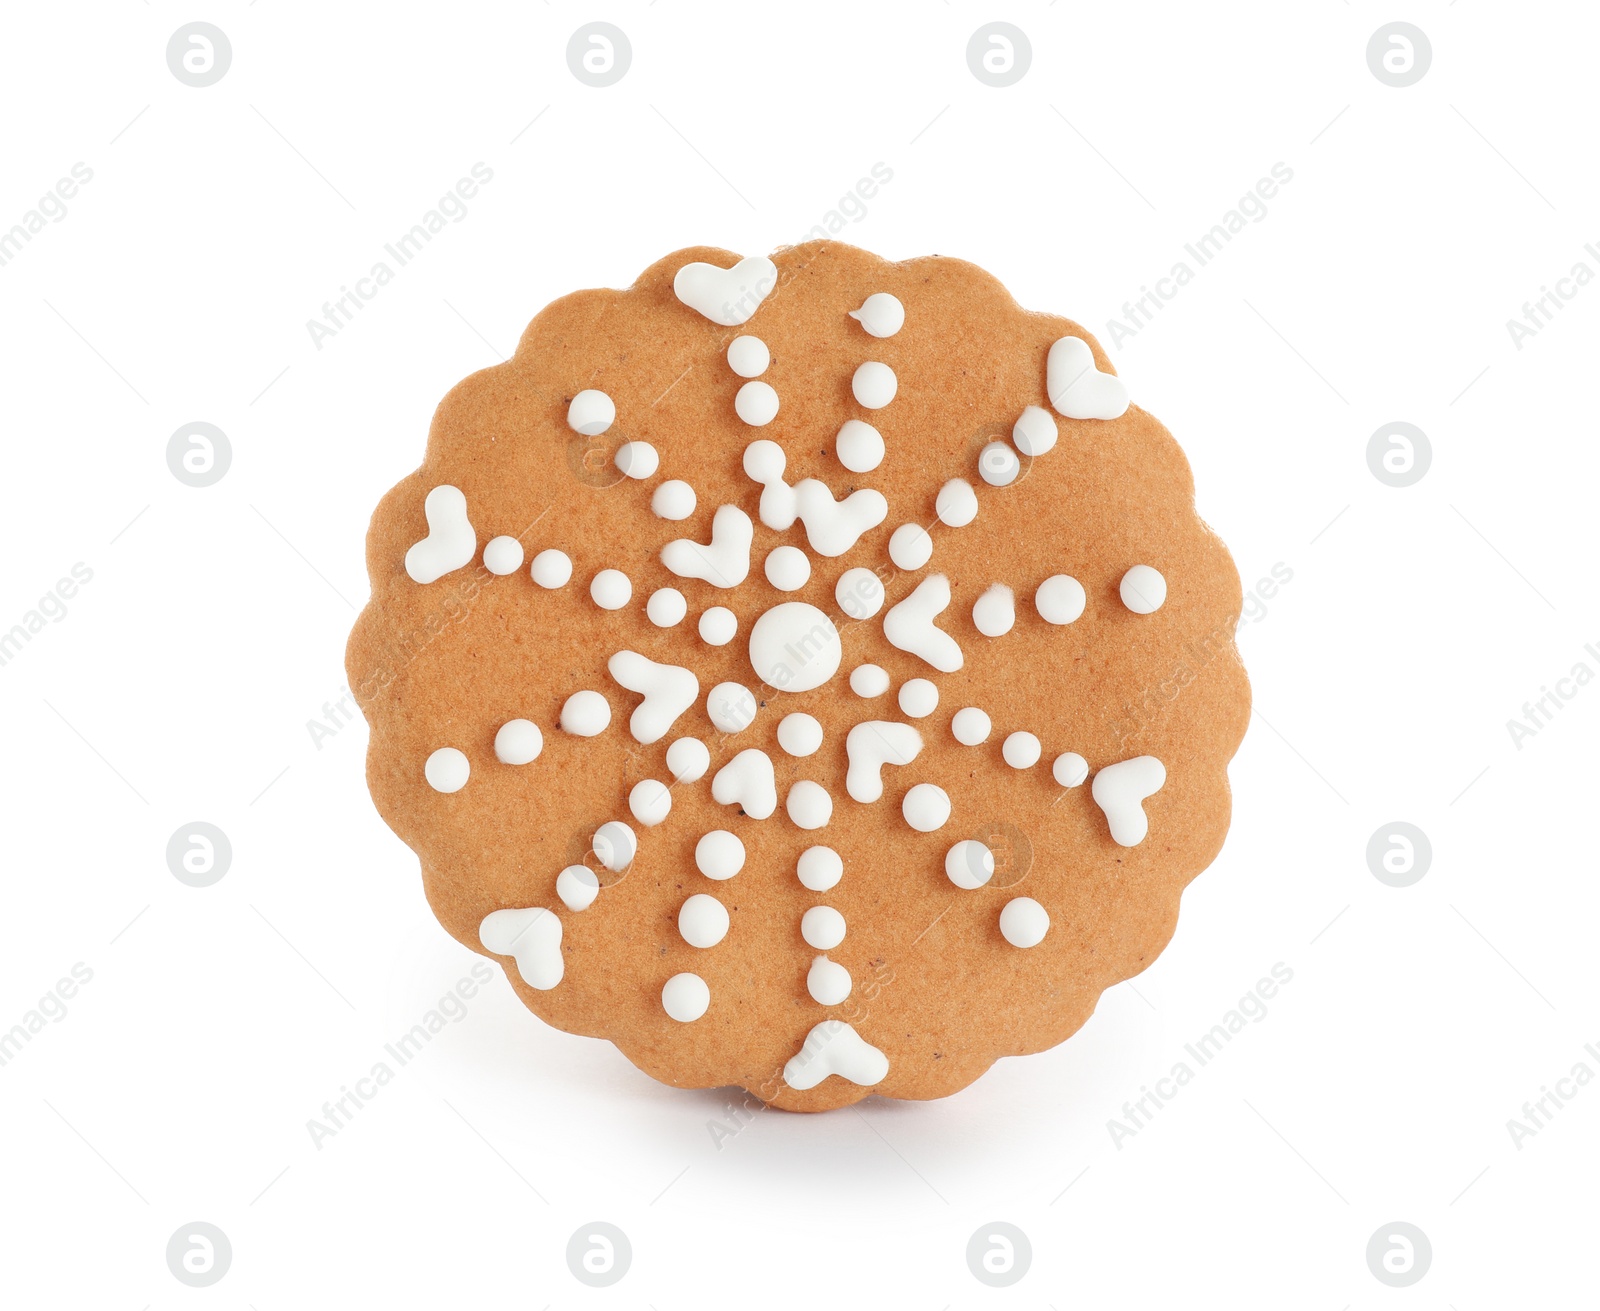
[809,674]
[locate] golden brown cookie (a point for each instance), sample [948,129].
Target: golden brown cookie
[809,674]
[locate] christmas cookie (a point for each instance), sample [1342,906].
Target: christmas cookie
[807,673]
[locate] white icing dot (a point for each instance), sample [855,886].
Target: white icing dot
[794,647]
[1034,432]
[859,446]
[451,541]
[591,413]
[970,726]
[809,805]
[995,611]
[638,459]
[874,385]
[956,504]
[910,546]
[1120,790]
[719,854]
[748,356]
[502,555]
[1021,750]
[732,707]
[756,404]
[1070,769]
[1143,590]
[518,742]
[666,607]
[822,927]
[969,864]
[718,625]
[611,589]
[881,314]
[577,887]
[685,997]
[918,698]
[827,981]
[614,845]
[764,462]
[859,593]
[869,680]
[787,568]
[998,465]
[747,781]
[650,801]
[551,568]
[1024,922]
[674,499]
[585,714]
[446,770]
[1060,599]
[688,759]
[800,734]
[926,807]
[703,920]
[819,868]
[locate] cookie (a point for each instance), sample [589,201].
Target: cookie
[808,673]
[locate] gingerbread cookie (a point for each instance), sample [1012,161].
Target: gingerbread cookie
[808,673]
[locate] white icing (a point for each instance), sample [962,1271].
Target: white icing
[969,864]
[756,403]
[995,611]
[909,625]
[1077,388]
[688,759]
[726,296]
[822,927]
[591,412]
[747,781]
[685,997]
[673,499]
[732,707]
[809,805]
[725,562]
[668,691]
[638,459]
[859,593]
[614,845]
[794,647]
[530,937]
[970,726]
[874,385]
[1120,790]
[585,714]
[859,446]
[833,1047]
[502,556]
[926,807]
[518,742]
[703,920]
[957,504]
[650,801]
[718,626]
[800,734]
[748,356]
[869,681]
[787,568]
[881,314]
[666,607]
[577,887]
[1069,769]
[1024,922]
[611,589]
[819,868]
[1060,599]
[1143,590]
[910,546]
[1021,750]
[918,698]
[998,465]
[1034,432]
[832,527]
[450,543]
[551,568]
[447,770]
[871,746]
[827,981]
[719,854]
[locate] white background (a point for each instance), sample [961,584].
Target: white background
[180,682]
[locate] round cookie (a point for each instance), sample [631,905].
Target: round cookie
[901,978]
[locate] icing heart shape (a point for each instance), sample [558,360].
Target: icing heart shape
[1077,388]
[726,296]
